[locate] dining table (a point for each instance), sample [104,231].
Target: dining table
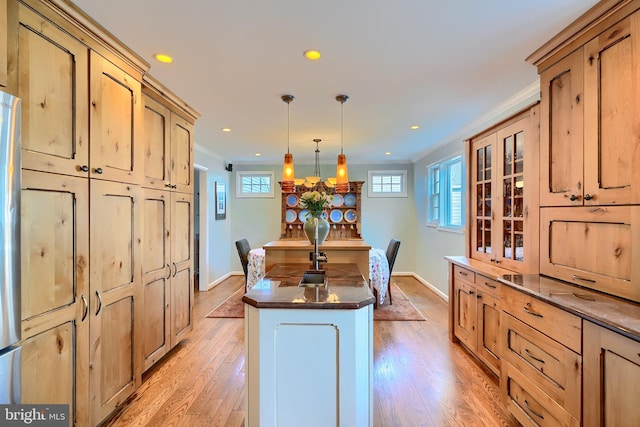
[378,270]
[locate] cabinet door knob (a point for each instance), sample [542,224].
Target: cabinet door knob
[573,197]
[98,171]
[471,292]
[84,168]
[588,196]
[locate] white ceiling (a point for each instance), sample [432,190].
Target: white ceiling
[438,64]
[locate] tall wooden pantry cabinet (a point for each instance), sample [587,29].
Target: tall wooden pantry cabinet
[168,214]
[84,237]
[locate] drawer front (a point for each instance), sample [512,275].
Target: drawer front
[486,284]
[551,366]
[460,273]
[530,405]
[560,325]
[465,314]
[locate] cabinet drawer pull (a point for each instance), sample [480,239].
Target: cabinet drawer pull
[462,273]
[528,353]
[487,284]
[582,278]
[532,411]
[533,313]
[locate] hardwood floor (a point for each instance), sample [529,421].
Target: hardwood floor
[420,378]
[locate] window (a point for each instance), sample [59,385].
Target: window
[392,183]
[445,197]
[254,184]
[433,203]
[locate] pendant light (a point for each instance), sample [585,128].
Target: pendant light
[342,173]
[287,168]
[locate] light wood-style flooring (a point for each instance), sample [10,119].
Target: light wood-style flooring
[420,378]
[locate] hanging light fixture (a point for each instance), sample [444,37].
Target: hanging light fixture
[342,173]
[288,184]
[311,181]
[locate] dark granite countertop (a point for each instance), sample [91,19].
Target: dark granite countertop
[616,314]
[346,289]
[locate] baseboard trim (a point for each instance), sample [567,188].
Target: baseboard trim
[428,285]
[223,278]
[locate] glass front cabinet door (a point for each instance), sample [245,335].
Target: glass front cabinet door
[503,160]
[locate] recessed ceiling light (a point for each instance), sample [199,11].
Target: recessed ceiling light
[414,127]
[258,154]
[312,55]
[163,57]
[387,153]
[226,129]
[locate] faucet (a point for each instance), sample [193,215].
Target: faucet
[317,257]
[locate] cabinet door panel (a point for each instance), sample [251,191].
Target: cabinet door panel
[182,263]
[157,144]
[482,198]
[592,247]
[53,84]
[612,115]
[48,358]
[156,277]
[181,154]
[489,331]
[611,378]
[561,132]
[465,314]
[116,238]
[54,282]
[116,119]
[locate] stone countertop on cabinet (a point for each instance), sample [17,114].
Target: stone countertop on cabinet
[617,314]
[489,270]
[346,289]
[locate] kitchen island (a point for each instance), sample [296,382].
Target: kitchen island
[297,251]
[309,349]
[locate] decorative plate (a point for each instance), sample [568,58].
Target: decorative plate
[350,215]
[292,200]
[350,199]
[290,215]
[302,215]
[335,215]
[338,200]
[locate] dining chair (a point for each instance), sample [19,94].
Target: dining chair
[392,253]
[244,247]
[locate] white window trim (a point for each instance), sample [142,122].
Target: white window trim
[241,195]
[444,194]
[431,222]
[404,184]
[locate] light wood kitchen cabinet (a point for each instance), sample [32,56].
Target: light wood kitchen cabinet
[590,105]
[593,247]
[55,291]
[167,271]
[168,139]
[611,378]
[542,362]
[477,315]
[115,301]
[3,46]
[116,123]
[53,82]
[504,194]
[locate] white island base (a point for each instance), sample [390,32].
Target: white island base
[309,367]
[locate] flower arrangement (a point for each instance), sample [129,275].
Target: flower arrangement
[315,201]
